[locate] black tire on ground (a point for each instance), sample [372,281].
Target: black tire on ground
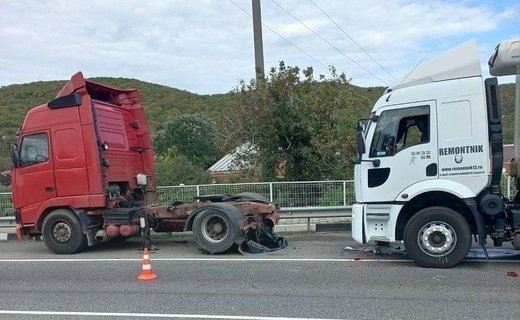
[437,237]
[214,231]
[62,232]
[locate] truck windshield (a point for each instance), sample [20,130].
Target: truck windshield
[399,129]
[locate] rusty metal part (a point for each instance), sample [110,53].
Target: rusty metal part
[172,218]
[273,218]
[264,213]
[179,212]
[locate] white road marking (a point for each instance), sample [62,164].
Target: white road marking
[206,259]
[233,260]
[148,315]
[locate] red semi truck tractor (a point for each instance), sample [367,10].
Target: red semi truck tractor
[83,171]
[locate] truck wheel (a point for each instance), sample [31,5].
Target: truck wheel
[437,237]
[62,232]
[214,231]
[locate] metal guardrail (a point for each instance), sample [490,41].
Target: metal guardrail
[7,222]
[307,213]
[316,212]
[303,199]
[286,194]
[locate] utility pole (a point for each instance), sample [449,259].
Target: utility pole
[259,47]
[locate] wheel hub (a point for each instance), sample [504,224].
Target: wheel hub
[214,228]
[437,238]
[217,228]
[62,232]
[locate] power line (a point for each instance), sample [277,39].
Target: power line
[329,43]
[279,35]
[348,36]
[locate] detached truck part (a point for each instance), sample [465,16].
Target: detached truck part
[430,160]
[83,168]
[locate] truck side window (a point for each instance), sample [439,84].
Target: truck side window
[399,129]
[34,149]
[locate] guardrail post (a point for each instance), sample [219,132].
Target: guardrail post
[271,192]
[345,193]
[198,190]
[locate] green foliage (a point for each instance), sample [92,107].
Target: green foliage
[175,168]
[507,103]
[331,196]
[192,135]
[302,128]
[160,102]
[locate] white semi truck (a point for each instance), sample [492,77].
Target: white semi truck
[430,159]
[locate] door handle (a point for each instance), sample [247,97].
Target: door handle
[49,189]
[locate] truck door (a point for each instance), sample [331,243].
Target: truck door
[404,147]
[34,175]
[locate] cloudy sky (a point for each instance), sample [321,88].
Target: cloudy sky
[206,46]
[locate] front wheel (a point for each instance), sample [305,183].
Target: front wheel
[62,232]
[437,237]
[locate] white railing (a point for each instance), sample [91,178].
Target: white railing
[286,194]
[300,194]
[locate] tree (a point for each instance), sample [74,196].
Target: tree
[175,168]
[303,129]
[192,135]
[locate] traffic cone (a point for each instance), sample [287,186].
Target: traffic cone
[147,273]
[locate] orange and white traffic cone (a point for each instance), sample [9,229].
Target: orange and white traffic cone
[147,273]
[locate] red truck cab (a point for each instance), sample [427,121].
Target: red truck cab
[83,170]
[74,153]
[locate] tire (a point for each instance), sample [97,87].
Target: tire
[437,237]
[214,231]
[62,232]
[251,196]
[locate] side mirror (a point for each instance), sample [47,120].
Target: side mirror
[15,157]
[360,140]
[376,162]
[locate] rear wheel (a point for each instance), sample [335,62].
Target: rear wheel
[62,232]
[437,237]
[214,231]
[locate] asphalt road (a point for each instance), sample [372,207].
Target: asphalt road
[314,278]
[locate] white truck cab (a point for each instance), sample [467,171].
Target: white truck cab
[430,160]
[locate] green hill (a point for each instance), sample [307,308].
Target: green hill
[162,103]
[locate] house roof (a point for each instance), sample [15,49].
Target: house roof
[224,164]
[231,162]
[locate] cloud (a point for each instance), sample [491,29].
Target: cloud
[206,46]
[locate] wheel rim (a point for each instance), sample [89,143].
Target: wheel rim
[214,228]
[437,238]
[62,232]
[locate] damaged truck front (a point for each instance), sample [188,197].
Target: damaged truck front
[83,171]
